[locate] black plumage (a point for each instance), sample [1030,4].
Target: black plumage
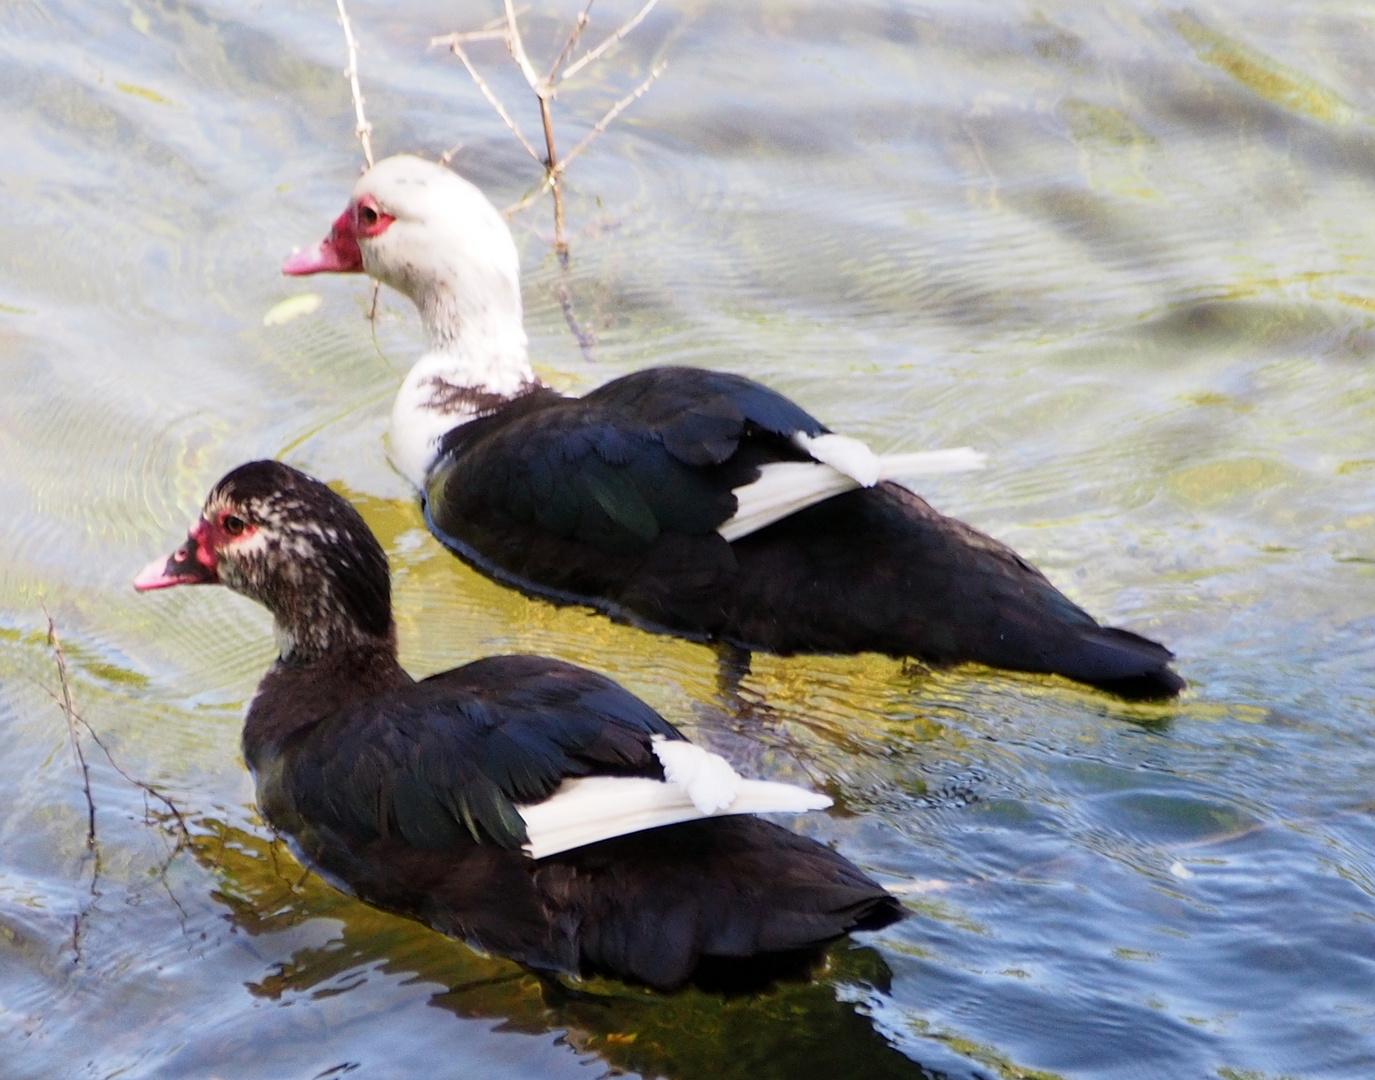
[614,500]
[407,793]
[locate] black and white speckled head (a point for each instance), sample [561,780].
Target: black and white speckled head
[277,536]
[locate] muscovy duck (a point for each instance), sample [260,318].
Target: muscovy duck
[528,806]
[686,501]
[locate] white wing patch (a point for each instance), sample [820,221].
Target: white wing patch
[844,454]
[699,784]
[708,779]
[841,464]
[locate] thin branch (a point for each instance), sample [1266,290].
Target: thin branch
[492,99]
[545,93]
[594,55]
[65,703]
[611,115]
[517,207]
[517,47]
[587,341]
[364,129]
[516,44]
[148,789]
[69,711]
[578,28]
[468,36]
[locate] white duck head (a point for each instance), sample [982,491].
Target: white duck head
[428,233]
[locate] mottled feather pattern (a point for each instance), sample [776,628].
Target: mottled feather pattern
[298,521]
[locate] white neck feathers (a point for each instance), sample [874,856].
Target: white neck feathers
[441,392]
[449,251]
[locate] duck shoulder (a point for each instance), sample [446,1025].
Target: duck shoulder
[452,755]
[654,452]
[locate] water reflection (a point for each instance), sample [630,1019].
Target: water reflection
[793,1028]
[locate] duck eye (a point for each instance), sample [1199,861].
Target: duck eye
[233,525]
[367,216]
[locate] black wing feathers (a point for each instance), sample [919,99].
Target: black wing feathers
[701,415]
[457,752]
[642,455]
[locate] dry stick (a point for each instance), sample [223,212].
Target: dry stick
[66,704]
[184,833]
[544,93]
[517,47]
[456,48]
[142,785]
[364,129]
[596,54]
[69,711]
[372,315]
[612,113]
[574,34]
[544,89]
[587,341]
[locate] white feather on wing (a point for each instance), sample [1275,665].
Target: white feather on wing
[785,487]
[700,784]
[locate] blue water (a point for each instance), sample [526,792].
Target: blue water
[1124,249]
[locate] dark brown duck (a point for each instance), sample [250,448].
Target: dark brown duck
[525,805]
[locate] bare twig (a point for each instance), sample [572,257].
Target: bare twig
[508,29]
[587,341]
[545,90]
[516,44]
[529,197]
[69,711]
[594,55]
[364,129]
[66,703]
[148,789]
[574,34]
[492,99]
[468,36]
[612,113]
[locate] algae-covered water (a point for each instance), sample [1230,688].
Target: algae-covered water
[1123,248]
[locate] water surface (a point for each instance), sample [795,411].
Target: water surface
[1124,248]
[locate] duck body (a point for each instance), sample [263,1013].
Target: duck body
[687,501]
[425,797]
[618,499]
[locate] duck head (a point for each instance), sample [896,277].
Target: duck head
[428,233]
[277,536]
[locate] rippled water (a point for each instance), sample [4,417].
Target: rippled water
[1124,248]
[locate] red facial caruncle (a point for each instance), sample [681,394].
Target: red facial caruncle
[196,562]
[339,252]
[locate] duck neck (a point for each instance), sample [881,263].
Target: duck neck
[472,344]
[298,693]
[477,363]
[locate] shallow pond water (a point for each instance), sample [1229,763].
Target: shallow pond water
[1124,248]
